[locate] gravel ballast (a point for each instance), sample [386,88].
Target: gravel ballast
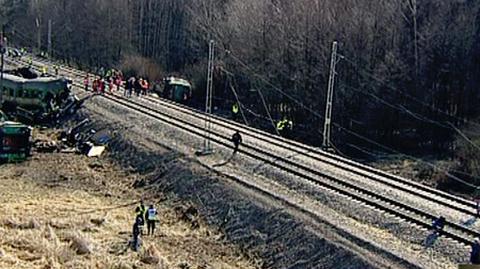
[282,237]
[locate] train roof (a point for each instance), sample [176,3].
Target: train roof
[40,79]
[12,124]
[179,81]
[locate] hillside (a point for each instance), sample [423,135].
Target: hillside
[68,211]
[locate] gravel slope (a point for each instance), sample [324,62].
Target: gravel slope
[384,233]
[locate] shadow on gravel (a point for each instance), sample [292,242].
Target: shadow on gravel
[225,162]
[470,222]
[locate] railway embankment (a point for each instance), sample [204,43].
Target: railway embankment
[65,210]
[265,226]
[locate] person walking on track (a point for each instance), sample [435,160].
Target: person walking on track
[438,224]
[237,140]
[476,198]
[475,253]
[86,82]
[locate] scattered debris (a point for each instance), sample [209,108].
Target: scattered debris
[95,151]
[46,146]
[81,139]
[23,72]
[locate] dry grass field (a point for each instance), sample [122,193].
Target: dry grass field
[68,211]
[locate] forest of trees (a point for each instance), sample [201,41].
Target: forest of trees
[407,76]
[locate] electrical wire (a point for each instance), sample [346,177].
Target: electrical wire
[409,96]
[346,130]
[238,99]
[401,108]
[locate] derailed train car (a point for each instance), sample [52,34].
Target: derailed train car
[15,144]
[177,89]
[37,99]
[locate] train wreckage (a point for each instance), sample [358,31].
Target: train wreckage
[30,99]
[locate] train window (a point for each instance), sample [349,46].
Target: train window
[12,92]
[33,93]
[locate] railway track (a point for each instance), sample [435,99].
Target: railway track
[341,186]
[430,194]
[405,185]
[338,185]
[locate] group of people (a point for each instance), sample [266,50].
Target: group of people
[139,85]
[143,215]
[114,81]
[111,81]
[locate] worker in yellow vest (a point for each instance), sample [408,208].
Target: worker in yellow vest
[235,110]
[280,126]
[44,71]
[284,127]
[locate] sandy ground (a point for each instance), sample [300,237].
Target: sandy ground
[68,211]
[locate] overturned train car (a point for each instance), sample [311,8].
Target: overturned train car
[177,89]
[15,144]
[37,99]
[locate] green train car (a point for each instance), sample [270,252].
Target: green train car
[177,89]
[33,98]
[15,141]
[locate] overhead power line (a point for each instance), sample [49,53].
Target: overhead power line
[371,75]
[447,125]
[353,133]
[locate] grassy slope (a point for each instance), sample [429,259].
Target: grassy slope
[55,203]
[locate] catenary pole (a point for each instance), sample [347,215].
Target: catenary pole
[3,50]
[49,50]
[209,96]
[39,35]
[329,104]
